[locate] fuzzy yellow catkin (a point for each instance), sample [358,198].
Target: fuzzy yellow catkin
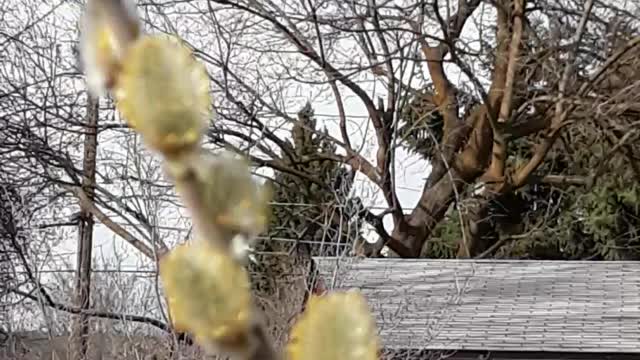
[162,92]
[337,326]
[237,200]
[224,192]
[208,292]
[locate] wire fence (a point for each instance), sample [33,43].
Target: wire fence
[116,289]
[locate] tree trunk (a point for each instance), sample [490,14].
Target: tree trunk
[479,227]
[80,327]
[490,219]
[408,238]
[431,209]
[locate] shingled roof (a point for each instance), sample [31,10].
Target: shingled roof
[494,305]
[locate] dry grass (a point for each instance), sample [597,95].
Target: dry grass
[101,347]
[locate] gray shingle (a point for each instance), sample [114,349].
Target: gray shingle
[497,305]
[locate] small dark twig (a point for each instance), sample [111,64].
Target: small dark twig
[94,313]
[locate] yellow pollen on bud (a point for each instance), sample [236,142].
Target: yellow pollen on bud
[163,93]
[336,326]
[208,291]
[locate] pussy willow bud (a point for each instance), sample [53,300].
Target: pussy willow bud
[338,326]
[222,196]
[209,294]
[242,205]
[163,93]
[108,28]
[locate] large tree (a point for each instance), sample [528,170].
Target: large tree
[545,96]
